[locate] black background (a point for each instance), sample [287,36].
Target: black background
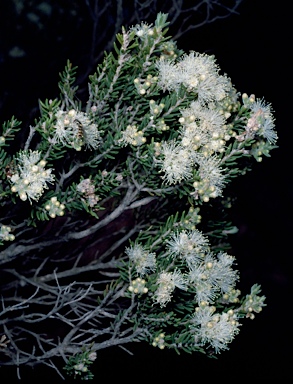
[254,49]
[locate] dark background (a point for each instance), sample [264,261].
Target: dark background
[253,48]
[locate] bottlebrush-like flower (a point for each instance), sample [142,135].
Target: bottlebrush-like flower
[167,282]
[132,136]
[143,260]
[213,275]
[75,129]
[188,245]
[262,121]
[212,177]
[31,177]
[176,162]
[198,72]
[214,329]
[204,128]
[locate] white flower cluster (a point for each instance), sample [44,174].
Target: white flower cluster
[213,328]
[213,275]
[30,178]
[203,134]
[159,341]
[144,86]
[5,233]
[137,286]
[212,178]
[176,162]
[167,282]
[54,207]
[155,108]
[132,136]
[80,367]
[82,362]
[192,219]
[204,129]
[210,276]
[190,246]
[74,128]
[198,72]
[143,30]
[143,260]
[261,121]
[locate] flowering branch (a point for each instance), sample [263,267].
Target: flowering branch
[114,217]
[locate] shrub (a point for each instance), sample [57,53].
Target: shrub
[115,214]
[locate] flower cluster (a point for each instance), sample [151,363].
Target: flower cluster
[203,134]
[143,30]
[145,85]
[198,72]
[87,188]
[210,276]
[204,129]
[166,284]
[212,178]
[192,219]
[188,245]
[132,136]
[75,129]
[5,233]
[143,260]
[261,121]
[54,207]
[159,341]
[4,342]
[210,327]
[213,275]
[175,163]
[30,178]
[138,286]
[155,108]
